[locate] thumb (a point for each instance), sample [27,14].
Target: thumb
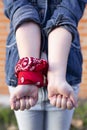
[13,101]
[32,101]
[73,99]
[53,100]
[51,92]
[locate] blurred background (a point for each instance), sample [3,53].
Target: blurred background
[7,118]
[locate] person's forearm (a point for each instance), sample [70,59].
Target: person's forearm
[59,43]
[28,40]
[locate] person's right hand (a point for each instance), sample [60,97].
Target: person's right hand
[24,97]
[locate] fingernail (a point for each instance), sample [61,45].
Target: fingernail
[12,107]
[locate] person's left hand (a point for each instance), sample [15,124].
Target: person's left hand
[61,102]
[60,93]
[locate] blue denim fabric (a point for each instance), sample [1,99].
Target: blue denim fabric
[49,14]
[84,1]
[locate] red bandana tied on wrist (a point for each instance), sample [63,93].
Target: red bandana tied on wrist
[31,71]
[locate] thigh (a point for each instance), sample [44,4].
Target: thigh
[58,120]
[29,120]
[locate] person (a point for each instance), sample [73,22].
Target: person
[46,28]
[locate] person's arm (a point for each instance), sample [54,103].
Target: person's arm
[60,37]
[28,40]
[25,21]
[59,43]
[26,24]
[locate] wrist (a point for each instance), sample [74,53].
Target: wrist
[57,73]
[31,71]
[56,78]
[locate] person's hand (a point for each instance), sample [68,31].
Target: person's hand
[24,97]
[61,101]
[60,93]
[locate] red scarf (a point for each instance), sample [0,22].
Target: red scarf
[32,71]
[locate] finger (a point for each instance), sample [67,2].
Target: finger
[22,104]
[53,100]
[17,105]
[69,104]
[64,102]
[27,103]
[13,101]
[73,98]
[13,105]
[51,92]
[32,101]
[58,101]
